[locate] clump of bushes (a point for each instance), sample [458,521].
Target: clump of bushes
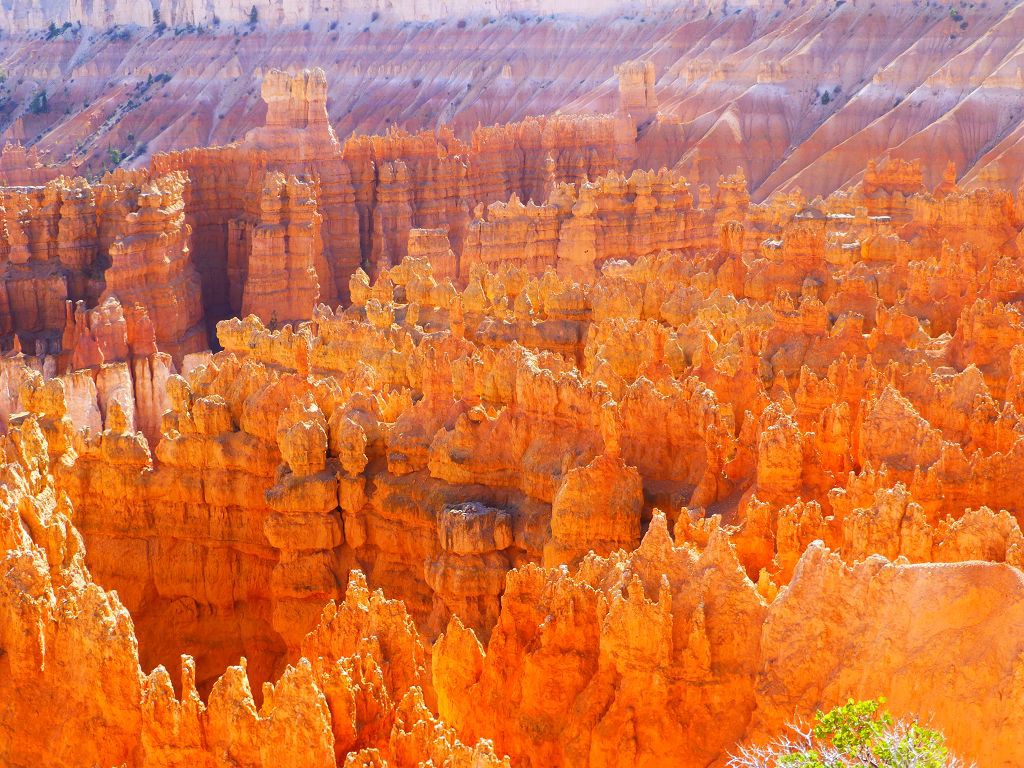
[53,30]
[858,733]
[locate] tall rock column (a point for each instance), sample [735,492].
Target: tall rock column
[285,247]
[577,243]
[296,101]
[392,218]
[298,140]
[305,523]
[636,89]
[77,237]
[34,282]
[150,266]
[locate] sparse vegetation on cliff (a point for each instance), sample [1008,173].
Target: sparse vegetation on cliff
[53,31]
[858,733]
[40,103]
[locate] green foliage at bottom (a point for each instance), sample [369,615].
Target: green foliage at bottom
[858,733]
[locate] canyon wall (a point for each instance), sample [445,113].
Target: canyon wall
[34,15]
[798,95]
[114,97]
[367,193]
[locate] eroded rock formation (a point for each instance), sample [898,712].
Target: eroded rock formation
[497,447]
[359,695]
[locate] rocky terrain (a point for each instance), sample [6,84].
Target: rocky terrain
[659,408]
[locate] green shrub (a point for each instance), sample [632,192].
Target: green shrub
[858,733]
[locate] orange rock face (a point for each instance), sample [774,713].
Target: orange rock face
[150,265]
[585,439]
[576,230]
[284,248]
[358,695]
